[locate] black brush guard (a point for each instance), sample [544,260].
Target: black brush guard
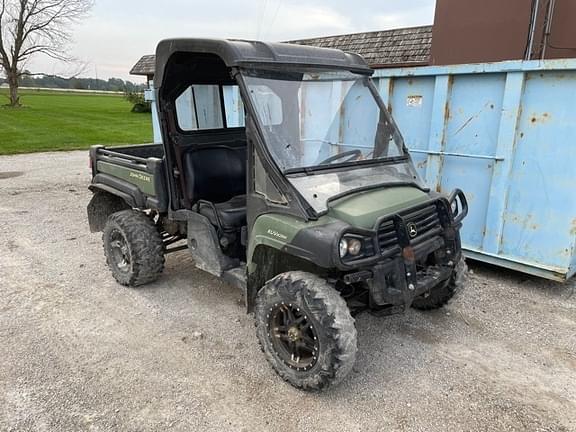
[398,279]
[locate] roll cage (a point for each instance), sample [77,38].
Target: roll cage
[183,63]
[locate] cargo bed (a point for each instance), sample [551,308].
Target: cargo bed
[135,173]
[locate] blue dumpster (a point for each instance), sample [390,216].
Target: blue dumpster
[505,133]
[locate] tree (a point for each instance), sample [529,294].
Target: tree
[140,104]
[31,27]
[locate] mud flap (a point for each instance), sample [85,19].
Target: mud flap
[237,278]
[102,205]
[204,246]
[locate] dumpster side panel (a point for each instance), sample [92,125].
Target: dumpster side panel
[539,224]
[472,125]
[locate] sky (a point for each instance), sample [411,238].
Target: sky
[118,32]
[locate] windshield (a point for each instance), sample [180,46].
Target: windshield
[327,133]
[321,118]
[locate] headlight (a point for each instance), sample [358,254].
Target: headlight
[343,247]
[354,246]
[350,246]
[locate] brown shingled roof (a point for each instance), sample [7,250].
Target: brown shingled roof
[386,48]
[145,66]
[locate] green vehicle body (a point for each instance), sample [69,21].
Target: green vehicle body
[360,211]
[140,179]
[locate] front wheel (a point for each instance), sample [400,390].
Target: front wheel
[443,292]
[305,330]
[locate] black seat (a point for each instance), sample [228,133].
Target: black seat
[230,215]
[216,177]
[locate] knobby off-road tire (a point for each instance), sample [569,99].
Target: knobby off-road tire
[133,247]
[323,322]
[442,293]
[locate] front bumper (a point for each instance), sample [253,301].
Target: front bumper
[399,281]
[417,265]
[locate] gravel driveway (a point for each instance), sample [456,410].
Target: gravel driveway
[80,352]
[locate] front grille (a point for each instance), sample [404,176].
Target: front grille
[387,237]
[427,223]
[425,220]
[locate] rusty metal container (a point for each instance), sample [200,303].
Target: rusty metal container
[505,133]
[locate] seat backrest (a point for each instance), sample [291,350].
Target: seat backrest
[215,173]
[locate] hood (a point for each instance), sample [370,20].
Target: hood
[362,209]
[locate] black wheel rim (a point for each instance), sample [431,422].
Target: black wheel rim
[119,251]
[293,337]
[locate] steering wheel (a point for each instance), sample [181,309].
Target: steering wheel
[349,156]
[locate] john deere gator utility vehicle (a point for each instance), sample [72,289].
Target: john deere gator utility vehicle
[282,172]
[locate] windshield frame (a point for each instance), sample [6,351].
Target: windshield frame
[272,73]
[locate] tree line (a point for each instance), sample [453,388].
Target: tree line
[58,82]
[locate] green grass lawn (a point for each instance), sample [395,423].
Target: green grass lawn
[67,121]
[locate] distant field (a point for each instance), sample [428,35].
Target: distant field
[67,121]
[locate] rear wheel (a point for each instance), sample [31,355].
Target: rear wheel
[443,292]
[133,247]
[305,330]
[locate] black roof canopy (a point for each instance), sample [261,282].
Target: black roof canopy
[235,52]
